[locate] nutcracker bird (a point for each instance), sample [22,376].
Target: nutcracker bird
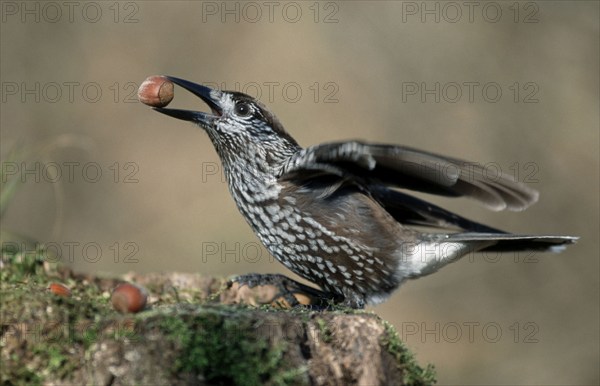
[332,213]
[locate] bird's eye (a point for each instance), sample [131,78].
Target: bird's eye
[242,109]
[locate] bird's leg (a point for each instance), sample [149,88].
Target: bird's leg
[287,288]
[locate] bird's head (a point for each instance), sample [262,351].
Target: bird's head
[237,123]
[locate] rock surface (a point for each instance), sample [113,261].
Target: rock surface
[194,330]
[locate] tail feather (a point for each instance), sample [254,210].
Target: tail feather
[515,243]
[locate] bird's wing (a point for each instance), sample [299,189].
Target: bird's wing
[408,168]
[409,210]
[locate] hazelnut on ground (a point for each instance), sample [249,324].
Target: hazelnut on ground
[59,289]
[128,297]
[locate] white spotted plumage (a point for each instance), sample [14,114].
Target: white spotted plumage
[330,213]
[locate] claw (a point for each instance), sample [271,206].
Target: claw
[289,292]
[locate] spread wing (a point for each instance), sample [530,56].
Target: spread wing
[381,169]
[408,168]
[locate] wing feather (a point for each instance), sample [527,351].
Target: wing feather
[413,169]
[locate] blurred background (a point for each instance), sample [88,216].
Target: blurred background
[114,187]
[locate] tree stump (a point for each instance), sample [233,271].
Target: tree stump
[194,330]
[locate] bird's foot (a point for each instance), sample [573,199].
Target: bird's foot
[289,291]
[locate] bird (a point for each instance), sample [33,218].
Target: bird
[338,215]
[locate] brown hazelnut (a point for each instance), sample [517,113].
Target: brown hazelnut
[156,91]
[59,289]
[128,297]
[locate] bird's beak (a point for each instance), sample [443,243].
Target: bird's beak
[208,95]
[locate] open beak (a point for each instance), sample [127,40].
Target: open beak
[204,93]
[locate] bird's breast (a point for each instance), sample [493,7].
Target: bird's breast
[336,244]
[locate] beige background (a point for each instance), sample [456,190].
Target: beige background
[480,321]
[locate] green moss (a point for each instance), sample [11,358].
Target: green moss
[325,332]
[23,376]
[412,373]
[19,267]
[47,332]
[227,349]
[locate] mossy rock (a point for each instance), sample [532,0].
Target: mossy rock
[189,334]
